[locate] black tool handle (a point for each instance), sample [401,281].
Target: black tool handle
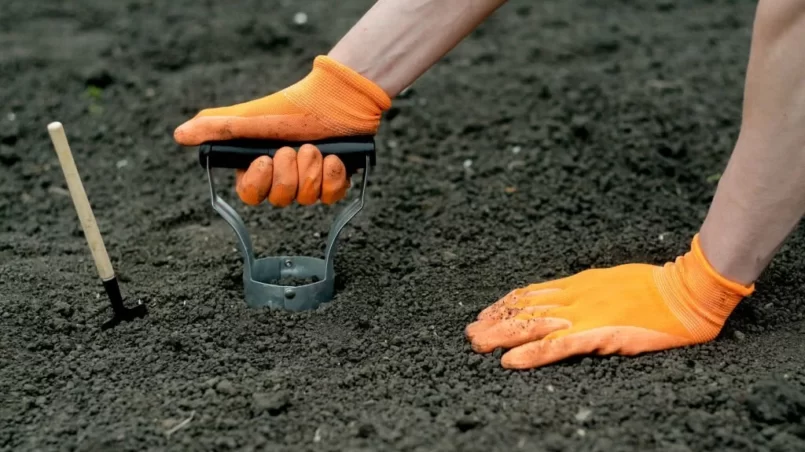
[239,154]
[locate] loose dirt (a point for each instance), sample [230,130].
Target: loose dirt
[561,135]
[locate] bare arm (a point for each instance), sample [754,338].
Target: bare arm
[761,196]
[396,41]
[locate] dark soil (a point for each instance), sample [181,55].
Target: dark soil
[561,135]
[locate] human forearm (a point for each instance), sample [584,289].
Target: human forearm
[396,41]
[761,196]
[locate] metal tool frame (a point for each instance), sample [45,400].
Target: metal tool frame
[256,272]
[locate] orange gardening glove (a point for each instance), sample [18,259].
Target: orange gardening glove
[331,101]
[624,310]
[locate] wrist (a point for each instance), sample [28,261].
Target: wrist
[733,259]
[714,278]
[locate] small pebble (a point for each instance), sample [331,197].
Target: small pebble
[467,163]
[583,414]
[516,149]
[550,388]
[225,387]
[740,336]
[300,18]
[169,423]
[11,116]
[121,163]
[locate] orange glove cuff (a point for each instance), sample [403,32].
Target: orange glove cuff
[345,101]
[695,291]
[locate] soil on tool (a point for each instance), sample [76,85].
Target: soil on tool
[294,281]
[562,135]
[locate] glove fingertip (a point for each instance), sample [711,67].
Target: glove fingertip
[249,195]
[551,349]
[330,199]
[183,135]
[253,184]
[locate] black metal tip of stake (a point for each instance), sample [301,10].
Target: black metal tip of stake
[121,312]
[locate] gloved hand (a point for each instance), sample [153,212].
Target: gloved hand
[331,101]
[624,310]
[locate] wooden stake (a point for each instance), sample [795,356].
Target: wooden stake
[82,207]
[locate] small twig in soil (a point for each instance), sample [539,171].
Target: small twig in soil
[180,425]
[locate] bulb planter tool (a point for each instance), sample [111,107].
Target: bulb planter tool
[259,274]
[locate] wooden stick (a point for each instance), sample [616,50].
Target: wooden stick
[82,207]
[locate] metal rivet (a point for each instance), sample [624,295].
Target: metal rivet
[288,263]
[290,293]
